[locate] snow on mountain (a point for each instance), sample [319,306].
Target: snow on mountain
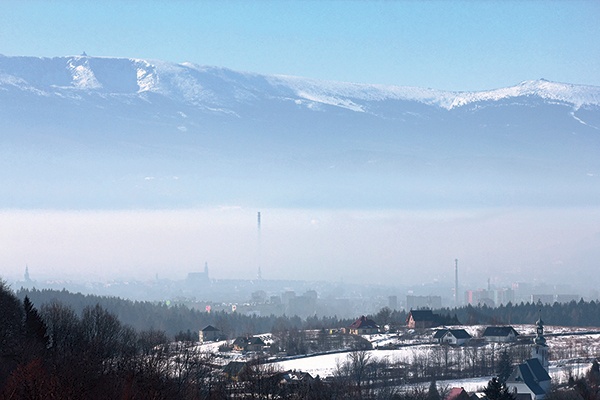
[210,86]
[100,126]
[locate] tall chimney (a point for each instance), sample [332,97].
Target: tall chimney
[259,274]
[456,282]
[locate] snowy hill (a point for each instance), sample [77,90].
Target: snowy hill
[112,132]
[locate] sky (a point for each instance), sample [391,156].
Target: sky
[390,247]
[449,45]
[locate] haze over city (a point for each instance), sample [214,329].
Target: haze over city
[132,160]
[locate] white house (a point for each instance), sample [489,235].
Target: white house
[455,337]
[500,334]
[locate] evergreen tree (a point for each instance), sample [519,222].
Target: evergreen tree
[35,328]
[504,366]
[496,390]
[433,393]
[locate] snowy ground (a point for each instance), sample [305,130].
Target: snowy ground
[575,347]
[571,348]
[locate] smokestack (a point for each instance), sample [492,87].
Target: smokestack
[259,274]
[456,282]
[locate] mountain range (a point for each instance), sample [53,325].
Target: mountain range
[95,132]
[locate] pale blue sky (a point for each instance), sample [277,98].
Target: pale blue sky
[453,45]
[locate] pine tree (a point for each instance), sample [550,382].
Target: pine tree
[35,328]
[504,366]
[496,390]
[433,393]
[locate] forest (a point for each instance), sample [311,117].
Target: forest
[56,344]
[182,321]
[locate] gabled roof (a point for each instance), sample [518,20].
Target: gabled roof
[298,376]
[459,333]
[440,333]
[499,331]
[538,370]
[364,323]
[529,380]
[531,373]
[234,367]
[421,315]
[245,341]
[256,340]
[210,328]
[457,393]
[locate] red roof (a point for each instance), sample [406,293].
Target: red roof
[364,323]
[457,393]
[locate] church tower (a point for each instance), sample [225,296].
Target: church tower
[540,348]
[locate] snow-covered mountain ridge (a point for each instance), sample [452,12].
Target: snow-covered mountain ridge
[217,87]
[122,132]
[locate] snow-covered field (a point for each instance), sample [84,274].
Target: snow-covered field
[578,347]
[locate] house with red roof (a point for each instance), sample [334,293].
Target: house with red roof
[363,326]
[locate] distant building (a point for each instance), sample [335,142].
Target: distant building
[490,297]
[209,334]
[248,343]
[198,278]
[420,319]
[393,302]
[363,326]
[455,337]
[234,369]
[302,306]
[500,334]
[259,297]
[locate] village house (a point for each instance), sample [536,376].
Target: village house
[234,369]
[421,319]
[251,343]
[458,393]
[454,337]
[500,334]
[209,334]
[363,326]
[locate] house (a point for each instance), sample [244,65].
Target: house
[455,337]
[458,393]
[248,343]
[530,378]
[420,319]
[500,334]
[293,376]
[363,326]
[209,334]
[234,369]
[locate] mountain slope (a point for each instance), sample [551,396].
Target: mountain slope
[105,132]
